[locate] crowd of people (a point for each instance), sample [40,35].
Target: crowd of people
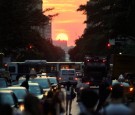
[60,103]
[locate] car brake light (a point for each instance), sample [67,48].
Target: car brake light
[87,83]
[59,78]
[110,88]
[76,78]
[121,85]
[131,89]
[104,60]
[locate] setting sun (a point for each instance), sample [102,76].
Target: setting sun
[62,36]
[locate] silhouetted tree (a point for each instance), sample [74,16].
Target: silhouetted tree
[105,20]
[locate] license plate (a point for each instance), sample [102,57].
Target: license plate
[70,78]
[94,86]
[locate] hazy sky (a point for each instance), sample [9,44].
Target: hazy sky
[69,21]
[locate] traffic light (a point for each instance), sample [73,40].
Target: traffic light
[30,46]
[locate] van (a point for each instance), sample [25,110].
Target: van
[66,75]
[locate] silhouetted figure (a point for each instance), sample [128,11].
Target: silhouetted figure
[69,97]
[48,106]
[32,105]
[104,92]
[117,105]
[25,83]
[59,103]
[6,109]
[88,101]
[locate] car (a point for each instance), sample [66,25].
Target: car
[54,82]
[36,90]
[8,97]
[129,89]
[43,82]
[19,91]
[3,82]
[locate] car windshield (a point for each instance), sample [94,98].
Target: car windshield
[6,98]
[34,89]
[21,80]
[20,93]
[53,80]
[68,72]
[44,83]
[3,83]
[126,84]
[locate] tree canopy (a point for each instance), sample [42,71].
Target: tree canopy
[105,20]
[18,38]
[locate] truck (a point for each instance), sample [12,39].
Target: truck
[95,69]
[121,64]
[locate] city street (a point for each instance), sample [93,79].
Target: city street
[75,107]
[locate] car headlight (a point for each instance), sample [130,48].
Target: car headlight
[46,93]
[131,89]
[21,107]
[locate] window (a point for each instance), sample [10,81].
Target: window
[12,69]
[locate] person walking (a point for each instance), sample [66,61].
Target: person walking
[116,105]
[48,104]
[25,83]
[104,92]
[88,102]
[32,105]
[59,103]
[69,97]
[78,88]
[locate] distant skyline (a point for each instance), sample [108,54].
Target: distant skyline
[69,21]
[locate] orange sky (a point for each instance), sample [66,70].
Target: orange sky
[68,21]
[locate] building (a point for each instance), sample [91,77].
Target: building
[46,29]
[60,43]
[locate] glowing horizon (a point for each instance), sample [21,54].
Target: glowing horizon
[69,21]
[62,36]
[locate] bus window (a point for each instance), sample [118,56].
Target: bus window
[12,69]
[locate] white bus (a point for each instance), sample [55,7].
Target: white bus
[41,66]
[18,69]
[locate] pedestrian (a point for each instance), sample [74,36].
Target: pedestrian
[25,83]
[32,105]
[69,97]
[88,102]
[58,103]
[48,104]
[104,92]
[78,88]
[116,106]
